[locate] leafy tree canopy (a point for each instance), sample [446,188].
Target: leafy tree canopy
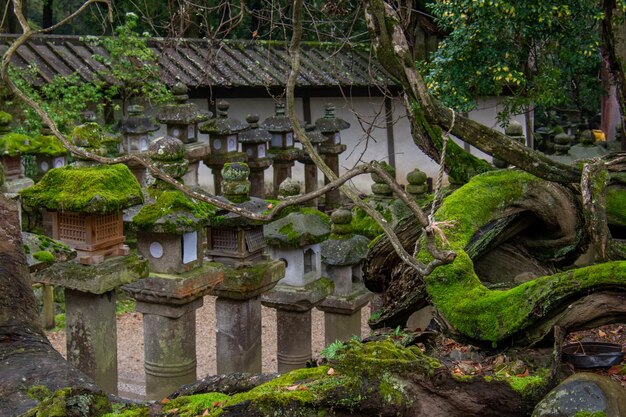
[536,52]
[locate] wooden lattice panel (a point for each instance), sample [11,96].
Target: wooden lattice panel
[12,166]
[224,240]
[71,227]
[254,240]
[108,227]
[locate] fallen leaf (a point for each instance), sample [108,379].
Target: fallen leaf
[526,373]
[292,387]
[165,401]
[331,371]
[601,333]
[206,412]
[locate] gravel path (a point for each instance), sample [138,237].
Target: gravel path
[130,344]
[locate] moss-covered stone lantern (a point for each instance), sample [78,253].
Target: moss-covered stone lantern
[48,151]
[170,234]
[86,205]
[331,126]
[295,240]
[342,257]
[282,150]
[380,189]
[182,119]
[12,147]
[224,139]
[254,144]
[136,129]
[310,169]
[417,185]
[515,131]
[238,243]
[232,239]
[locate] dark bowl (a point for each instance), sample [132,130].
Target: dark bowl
[587,355]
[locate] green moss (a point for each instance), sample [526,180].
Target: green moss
[66,402]
[495,315]
[590,414]
[5,118]
[528,386]
[616,205]
[43,256]
[13,144]
[47,145]
[180,210]
[195,405]
[98,189]
[88,135]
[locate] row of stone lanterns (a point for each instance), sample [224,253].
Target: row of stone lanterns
[262,144]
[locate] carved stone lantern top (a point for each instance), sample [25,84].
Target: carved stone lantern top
[280,122]
[331,123]
[222,124]
[136,122]
[343,247]
[182,112]
[255,134]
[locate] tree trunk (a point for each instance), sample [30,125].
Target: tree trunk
[511,232]
[28,360]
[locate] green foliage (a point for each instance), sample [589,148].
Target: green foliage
[99,189]
[330,351]
[63,98]
[131,64]
[539,52]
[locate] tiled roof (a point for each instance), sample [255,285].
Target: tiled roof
[201,63]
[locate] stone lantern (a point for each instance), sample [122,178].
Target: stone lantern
[331,126]
[562,143]
[342,257]
[254,144]
[224,139]
[48,151]
[239,244]
[515,131]
[181,119]
[587,147]
[282,150]
[310,169]
[170,232]
[12,147]
[380,189]
[86,204]
[295,240]
[136,129]
[417,185]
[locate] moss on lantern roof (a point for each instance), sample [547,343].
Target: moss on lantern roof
[173,212]
[13,144]
[47,145]
[298,229]
[95,189]
[5,118]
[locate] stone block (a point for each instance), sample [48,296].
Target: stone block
[298,299]
[249,282]
[238,335]
[95,279]
[92,336]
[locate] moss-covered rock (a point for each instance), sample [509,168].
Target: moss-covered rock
[496,315]
[47,145]
[97,189]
